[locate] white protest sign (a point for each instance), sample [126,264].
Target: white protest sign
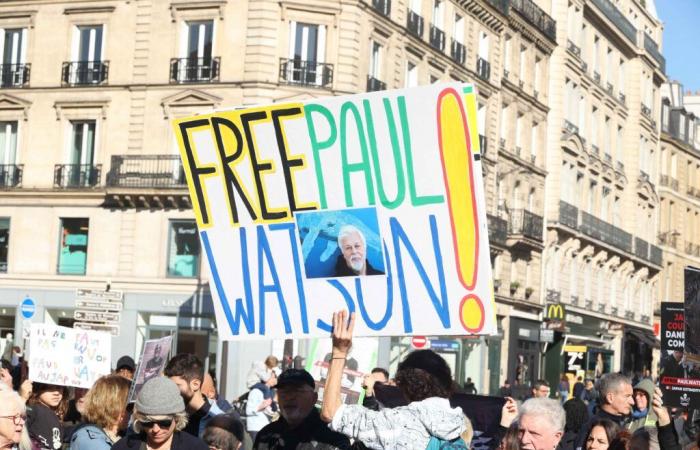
[68,356]
[371,202]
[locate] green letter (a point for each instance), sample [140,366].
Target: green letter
[354,167]
[317,146]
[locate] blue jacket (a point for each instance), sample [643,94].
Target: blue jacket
[90,437]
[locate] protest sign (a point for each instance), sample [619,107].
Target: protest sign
[360,361]
[68,356]
[692,315]
[394,176]
[151,363]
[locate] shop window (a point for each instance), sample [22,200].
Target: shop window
[4,243]
[72,254]
[183,249]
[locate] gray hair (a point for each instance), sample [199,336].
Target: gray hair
[546,408]
[347,230]
[611,383]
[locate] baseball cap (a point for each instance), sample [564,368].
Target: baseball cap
[126,362]
[295,377]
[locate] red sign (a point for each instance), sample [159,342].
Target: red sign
[419,342]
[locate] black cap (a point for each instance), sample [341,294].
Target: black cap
[126,362]
[295,377]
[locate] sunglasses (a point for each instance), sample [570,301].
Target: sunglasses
[164,423]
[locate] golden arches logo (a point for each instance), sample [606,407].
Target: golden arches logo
[554,311]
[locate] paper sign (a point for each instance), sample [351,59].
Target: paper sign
[68,356]
[371,202]
[151,363]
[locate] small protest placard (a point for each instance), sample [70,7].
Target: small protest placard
[151,363]
[68,356]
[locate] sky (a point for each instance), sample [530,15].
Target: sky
[681,20]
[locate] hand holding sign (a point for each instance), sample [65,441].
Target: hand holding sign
[657,405]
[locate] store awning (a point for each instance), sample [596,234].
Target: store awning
[644,336]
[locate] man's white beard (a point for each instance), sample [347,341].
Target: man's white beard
[357,264]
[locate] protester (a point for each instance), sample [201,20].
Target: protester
[576,418]
[541,424]
[300,425]
[425,381]
[590,396]
[377,375]
[564,388]
[506,390]
[540,389]
[187,371]
[104,413]
[500,437]
[470,387]
[601,434]
[126,367]
[643,415]
[12,419]
[615,402]
[260,372]
[209,391]
[158,420]
[256,415]
[224,432]
[47,405]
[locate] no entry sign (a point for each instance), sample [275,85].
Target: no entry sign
[419,342]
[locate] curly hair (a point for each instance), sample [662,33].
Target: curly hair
[424,374]
[179,418]
[576,414]
[106,401]
[40,388]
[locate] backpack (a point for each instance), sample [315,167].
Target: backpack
[440,444]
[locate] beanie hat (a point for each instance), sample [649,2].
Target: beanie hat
[159,396]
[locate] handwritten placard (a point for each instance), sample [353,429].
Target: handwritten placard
[68,356]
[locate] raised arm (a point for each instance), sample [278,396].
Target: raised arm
[342,341]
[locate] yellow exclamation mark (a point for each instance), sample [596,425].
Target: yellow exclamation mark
[457,165]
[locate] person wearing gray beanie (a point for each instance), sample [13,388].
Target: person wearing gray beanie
[158,419]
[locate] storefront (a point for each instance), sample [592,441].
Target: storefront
[525,354]
[638,348]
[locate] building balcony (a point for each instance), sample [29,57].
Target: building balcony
[437,38]
[383,7]
[596,77]
[655,254]
[608,158]
[653,49]
[537,17]
[641,248]
[194,70]
[84,73]
[570,127]
[500,5]
[669,239]
[568,215]
[498,230]
[623,99]
[609,88]
[146,171]
[665,180]
[77,176]
[526,224]
[502,143]
[305,73]
[573,48]
[620,167]
[458,52]
[692,249]
[594,150]
[646,111]
[415,23]
[603,231]
[11,176]
[483,144]
[14,75]
[374,84]
[483,69]
[617,18]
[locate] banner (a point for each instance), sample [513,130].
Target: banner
[372,203]
[360,361]
[68,356]
[692,315]
[152,361]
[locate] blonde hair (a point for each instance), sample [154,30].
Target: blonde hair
[179,418]
[105,402]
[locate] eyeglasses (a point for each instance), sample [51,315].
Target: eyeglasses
[17,419]
[164,423]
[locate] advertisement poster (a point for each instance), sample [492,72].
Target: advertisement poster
[151,363]
[692,315]
[372,203]
[360,362]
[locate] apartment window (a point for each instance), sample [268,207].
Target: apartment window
[481,120]
[375,60]
[438,13]
[4,243]
[594,126]
[183,249]
[538,73]
[459,29]
[616,211]
[508,53]
[483,45]
[503,122]
[516,195]
[73,247]
[579,189]
[531,199]
[518,131]
[87,55]
[416,6]
[13,45]
[8,142]
[534,137]
[592,186]
[307,50]
[200,38]
[618,152]
[88,44]
[674,165]
[82,151]
[607,135]
[621,77]
[605,205]
[582,110]
[609,68]
[596,54]
[411,74]
[523,62]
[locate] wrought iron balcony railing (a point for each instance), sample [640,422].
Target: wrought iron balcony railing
[146,171]
[194,70]
[536,16]
[11,175]
[655,254]
[641,248]
[84,73]
[646,111]
[526,223]
[374,84]
[653,49]
[77,175]
[415,23]
[306,73]
[382,6]
[617,18]
[573,48]
[568,215]
[605,232]
[458,52]
[498,229]
[437,38]
[14,75]
[483,69]
[669,239]
[570,127]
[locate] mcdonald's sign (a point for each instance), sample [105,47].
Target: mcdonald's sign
[554,311]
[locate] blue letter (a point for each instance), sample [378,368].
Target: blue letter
[297,271]
[348,301]
[264,250]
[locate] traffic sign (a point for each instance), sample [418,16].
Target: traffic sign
[419,342]
[98,305]
[96,316]
[109,328]
[99,294]
[444,346]
[28,308]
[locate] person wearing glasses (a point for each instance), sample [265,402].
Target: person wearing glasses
[104,413]
[158,420]
[12,417]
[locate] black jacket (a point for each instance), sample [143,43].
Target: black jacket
[181,441]
[44,428]
[313,433]
[621,421]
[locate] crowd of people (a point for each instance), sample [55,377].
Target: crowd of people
[180,409]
